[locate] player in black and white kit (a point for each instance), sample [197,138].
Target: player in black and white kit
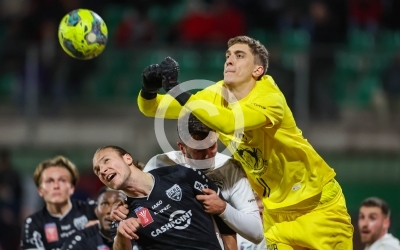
[163,210]
[198,148]
[48,228]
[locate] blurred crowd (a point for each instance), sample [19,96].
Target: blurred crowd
[215,21]
[196,24]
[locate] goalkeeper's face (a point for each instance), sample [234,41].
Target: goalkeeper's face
[239,66]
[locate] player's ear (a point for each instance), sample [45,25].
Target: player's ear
[258,71]
[181,147]
[96,212]
[386,223]
[72,190]
[128,159]
[40,192]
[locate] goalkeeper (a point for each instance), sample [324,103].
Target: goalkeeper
[304,204]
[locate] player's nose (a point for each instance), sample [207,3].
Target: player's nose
[56,184]
[103,170]
[229,60]
[363,223]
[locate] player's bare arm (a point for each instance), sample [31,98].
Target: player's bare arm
[91,223]
[230,241]
[122,243]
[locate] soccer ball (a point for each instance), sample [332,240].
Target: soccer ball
[82,34]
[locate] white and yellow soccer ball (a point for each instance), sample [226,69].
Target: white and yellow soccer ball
[83,34]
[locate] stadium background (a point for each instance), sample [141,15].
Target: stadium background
[337,61]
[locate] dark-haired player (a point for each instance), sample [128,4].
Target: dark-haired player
[199,149]
[251,116]
[98,236]
[374,223]
[61,217]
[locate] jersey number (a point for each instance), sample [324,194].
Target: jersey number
[265,186]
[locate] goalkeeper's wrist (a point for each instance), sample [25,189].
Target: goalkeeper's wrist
[180,95]
[147,94]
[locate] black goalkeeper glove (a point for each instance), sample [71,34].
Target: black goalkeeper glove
[169,72]
[151,81]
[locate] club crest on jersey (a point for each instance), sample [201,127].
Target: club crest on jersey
[174,193]
[80,222]
[144,215]
[51,232]
[199,186]
[103,247]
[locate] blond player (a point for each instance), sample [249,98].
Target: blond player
[304,204]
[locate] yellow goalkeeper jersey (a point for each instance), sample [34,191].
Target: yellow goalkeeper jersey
[260,131]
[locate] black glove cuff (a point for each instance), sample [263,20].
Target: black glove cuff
[148,95]
[182,98]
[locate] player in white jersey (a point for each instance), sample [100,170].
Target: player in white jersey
[374,223]
[244,244]
[198,149]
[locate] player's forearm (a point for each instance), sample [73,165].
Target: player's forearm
[122,243]
[163,106]
[223,119]
[230,241]
[248,225]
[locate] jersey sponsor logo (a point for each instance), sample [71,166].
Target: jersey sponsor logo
[66,227]
[156,205]
[174,193]
[67,234]
[179,219]
[258,105]
[144,215]
[199,186]
[103,247]
[162,210]
[51,232]
[251,200]
[80,222]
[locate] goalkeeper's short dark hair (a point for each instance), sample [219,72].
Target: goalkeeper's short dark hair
[260,53]
[377,202]
[189,125]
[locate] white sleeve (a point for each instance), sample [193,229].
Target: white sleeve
[242,213]
[160,160]
[151,164]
